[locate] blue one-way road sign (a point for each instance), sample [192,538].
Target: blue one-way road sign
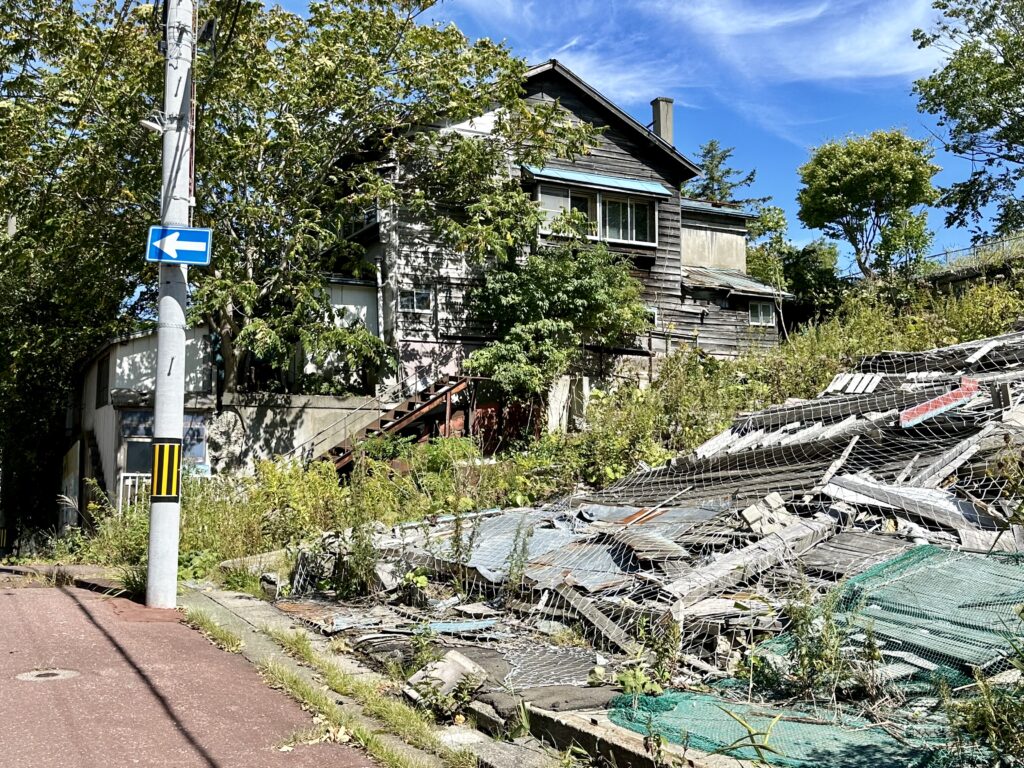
[179,245]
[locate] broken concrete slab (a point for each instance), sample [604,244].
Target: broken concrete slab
[439,679]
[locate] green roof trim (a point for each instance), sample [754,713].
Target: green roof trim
[598,181]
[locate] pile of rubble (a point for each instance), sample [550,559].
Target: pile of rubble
[910,453]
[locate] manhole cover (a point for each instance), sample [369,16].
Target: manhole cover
[42,675]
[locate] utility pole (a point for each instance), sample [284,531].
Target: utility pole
[169,408]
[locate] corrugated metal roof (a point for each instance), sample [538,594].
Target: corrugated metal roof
[720,209]
[598,181]
[731,280]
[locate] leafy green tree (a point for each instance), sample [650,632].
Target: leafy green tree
[868,191]
[542,312]
[766,240]
[302,124]
[718,182]
[810,274]
[976,94]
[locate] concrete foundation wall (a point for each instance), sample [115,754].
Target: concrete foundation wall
[251,428]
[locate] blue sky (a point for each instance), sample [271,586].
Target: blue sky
[772,78]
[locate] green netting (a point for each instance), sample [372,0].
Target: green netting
[800,740]
[956,610]
[933,614]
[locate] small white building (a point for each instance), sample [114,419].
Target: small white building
[111,419]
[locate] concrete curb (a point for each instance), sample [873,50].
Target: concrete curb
[246,616]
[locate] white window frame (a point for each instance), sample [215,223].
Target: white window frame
[417,293]
[597,199]
[760,314]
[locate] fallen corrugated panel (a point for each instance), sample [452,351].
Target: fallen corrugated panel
[648,545]
[669,515]
[589,566]
[936,506]
[492,551]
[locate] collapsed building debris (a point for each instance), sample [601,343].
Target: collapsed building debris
[893,482]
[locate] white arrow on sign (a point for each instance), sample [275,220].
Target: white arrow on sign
[171,245]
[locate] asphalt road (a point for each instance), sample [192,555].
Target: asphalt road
[111,683]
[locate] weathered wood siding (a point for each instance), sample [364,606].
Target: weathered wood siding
[713,241]
[616,154]
[413,257]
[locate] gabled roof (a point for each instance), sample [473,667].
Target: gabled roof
[730,281]
[688,168]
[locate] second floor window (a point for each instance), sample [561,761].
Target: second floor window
[418,300]
[555,200]
[613,217]
[627,219]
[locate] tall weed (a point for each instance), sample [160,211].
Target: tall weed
[695,396]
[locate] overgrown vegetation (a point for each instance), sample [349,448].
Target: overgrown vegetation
[283,503]
[414,726]
[543,311]
[317,700]
[695,396]
[220,636]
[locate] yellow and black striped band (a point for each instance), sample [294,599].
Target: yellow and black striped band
[166,469]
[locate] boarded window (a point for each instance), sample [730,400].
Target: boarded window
[103,381]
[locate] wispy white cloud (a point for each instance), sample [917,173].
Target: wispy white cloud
[729,17]
[518,11]
[603,41]
[620,72]
[823,41]
[785,121]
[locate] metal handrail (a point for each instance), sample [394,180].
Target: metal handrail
[392,394]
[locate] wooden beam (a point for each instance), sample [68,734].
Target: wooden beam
[738,566]
[834,467]
[608,629]
[939,469]
[900,497]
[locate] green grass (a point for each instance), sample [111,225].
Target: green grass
[244,580]
[133,580]
[414,726]
[220,636]
[321,703]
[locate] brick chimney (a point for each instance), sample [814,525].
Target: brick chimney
[661,108]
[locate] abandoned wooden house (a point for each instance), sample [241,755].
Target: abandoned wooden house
[690,255]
